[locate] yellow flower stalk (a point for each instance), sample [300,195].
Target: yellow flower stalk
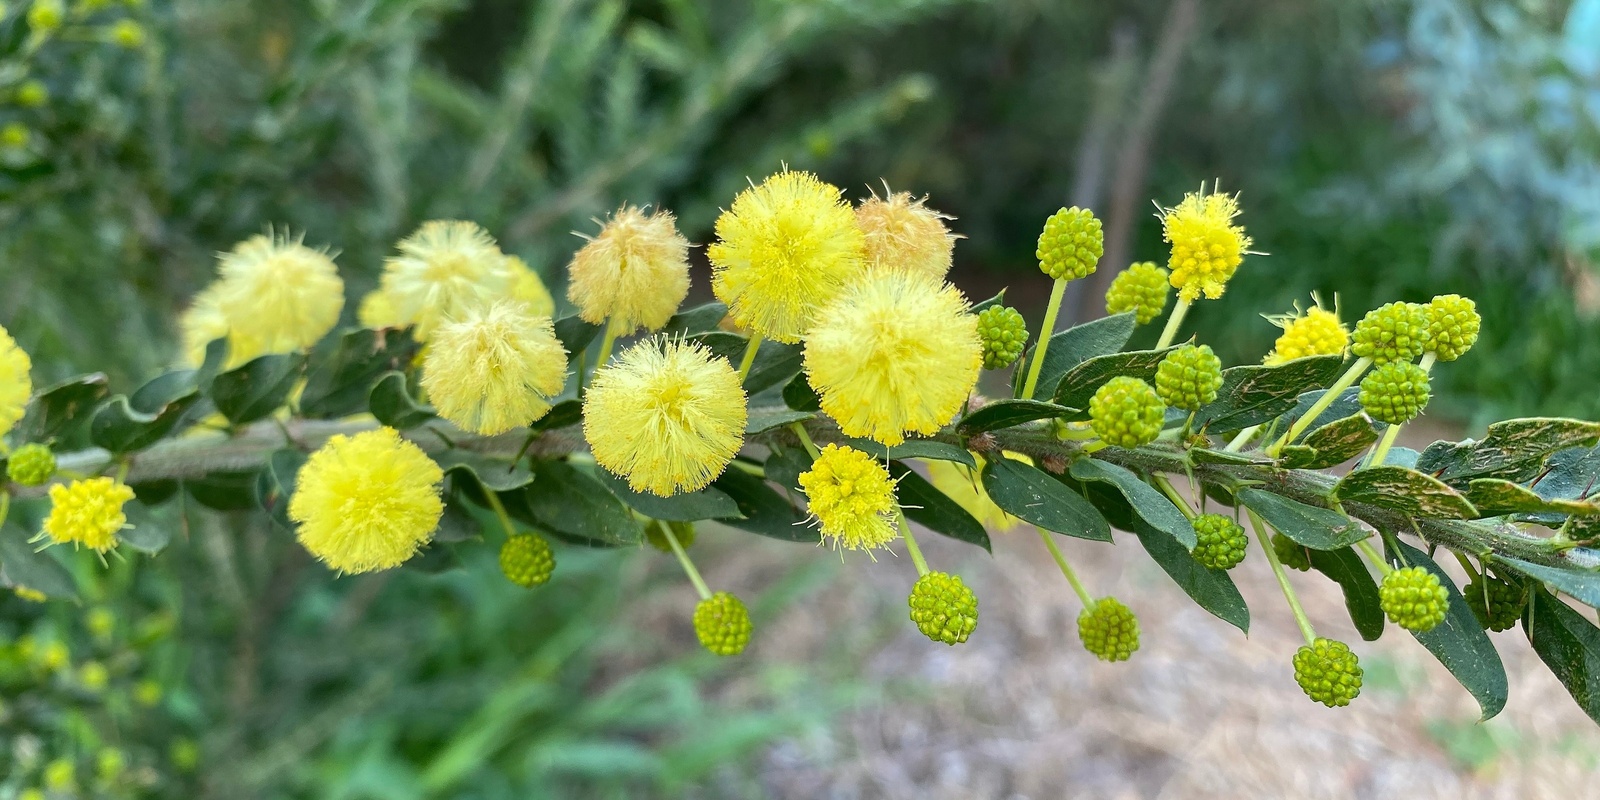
[784,249]
[1207,247]
[16,384]
[1317,332]
[87,512]
[964,485]
[903,233]
[495,369]
[528,289]
[367,502]
[635,273]
[668,415]
[276,295]
[852,498]
[896,353]
[443,270]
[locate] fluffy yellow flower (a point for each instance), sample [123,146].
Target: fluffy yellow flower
[276,296]
[634,273]
[668,415]
[852,497]
[377,311]
[1317,332]
[367,502]
[964,485]
[785,249]
[903,233]
[445,269]
[87,512]
[896,352]
[526,287]
[495,369]
[16,386]
[1206,246]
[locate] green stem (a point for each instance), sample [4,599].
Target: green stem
[805,440]
[911,543]
[1172,494]
[1242,439]
[499,509]
[1466,564]
[1066,569]
[607,339]
[1283,578]
[750,349]
[1056,293]
[5,506]
[688,566]
[1381,452]
[1349,377]
[1375,557]
[1170,332]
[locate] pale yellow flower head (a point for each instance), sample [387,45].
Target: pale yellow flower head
[527,288]
[276,296]
[1317,332]
[903,233]
[852,497]
[377,311]
[964,485]
[1206,246]
[784,249]
[87,512]
[668,415]
[16,385]
[895,353]
[635,273]
[494,369]
[367,502]
[444,270]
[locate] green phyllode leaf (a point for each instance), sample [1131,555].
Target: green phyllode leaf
[392,403]
[1404,490]
[1212,589]
[1031,495]
[1255,394]
[1569,645]
[1152,506]
[258,388]
[1316,528]
[1346,567]
[932,509]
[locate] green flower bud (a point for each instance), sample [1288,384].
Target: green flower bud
[1189,377]
[1071,244]
[1413,598]
[527,560]
[1291,553]
[943,608]
[1395,392]
[1126,412]
[1221,541]
[1394,332]
[1141,288]
[723,624]
[1328,672]
[1453,324]
[1497,604]
[31,465]
[1109,630]
[1004,334]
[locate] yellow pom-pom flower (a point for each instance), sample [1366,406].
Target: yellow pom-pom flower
[276,295]
[495,369]
[903,233]
[1206,246]
[852,497]
[668,415]
[87,512]
[444,270]
[896,353]
[1317,332]
[528,289]
[377,311]
[784,249]
[635,273]
[964,485]
[367,502]
[16,385]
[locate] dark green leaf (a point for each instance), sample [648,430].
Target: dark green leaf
[696,320]
[1078,344]
[566,500]
[575,334]
[36,570]
[1569,645]
[394,406]
[1031,495]
[1459,642]
[1347,404]
[1006,413]
[765,511]
[932,509]
[1151,506]
[1255,394]
[1332,444]
[57,407]
[915,448]
[147,533]
[1494,497]
[998,299]
[258,388]
[224,491]
[344,368]
[1404,490]
[1347,569]
[457,525]
[1081,382]
[275,485]
[775,363]
[1583,585]
[1201,455]
[798,394]
[1516,449]
[708,503]
[1316,528]
[484,471]
[766,419]
[561,415]
[1571,474]
[132,423]
[1212,589]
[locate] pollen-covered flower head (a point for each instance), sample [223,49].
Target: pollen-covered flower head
[16,385]
[1206,246]
[852,496]
[442,271]
[667,414]
[495,368]
[276,295]
[634,273]
[784,249]
[87,512]
[527,288]
[964,485]
[366,502]
[1317,332]
[903,233]
[895,353]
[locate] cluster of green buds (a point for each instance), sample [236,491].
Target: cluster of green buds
[943,608]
